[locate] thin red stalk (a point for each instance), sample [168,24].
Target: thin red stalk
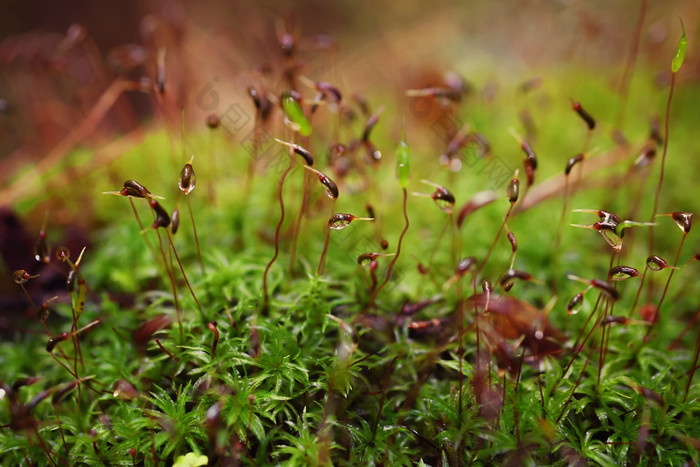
[297,226]
[167,352]
[493,244]
[639,292]
[196,240]
[266,296]
[560,233]
[678,339]
[663,164]
[322,261]
[693,368]
[141,229]
[605,330]
[604,339]
[439,241]
[576,385]
[172,282]
[629,65]
[663,295]
[44,447]
[182,269]
[398,252]
[577,348]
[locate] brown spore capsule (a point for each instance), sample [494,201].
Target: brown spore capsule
[162,217]
[329,90]
[371,122]
[175,221]
[51,344]
[684,220]
[135,189]
[612,319]
[572,162]
[188,179]
[606,288]
[213,121]
[511,275]
[465,265]
[70,281]
[513,241]
[513,190]
[21,276]
[585,116]
[328,184]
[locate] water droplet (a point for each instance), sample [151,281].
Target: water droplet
[365,258]
[340,221]
[683,220]
[656,263]
[621,273]
[329,185]
[575,304]
[612,238]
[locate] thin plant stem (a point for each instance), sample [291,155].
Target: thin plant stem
[657,317]
[297,226]
[266,295]
[171,276]
[182,270]
[196,239]
[396,257]
[326,243]
[629,66]
[663,164]
[493,244]
[693,368]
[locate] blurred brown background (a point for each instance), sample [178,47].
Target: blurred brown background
[60,61]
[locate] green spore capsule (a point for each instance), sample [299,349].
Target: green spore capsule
[680,51]
[295,114]
[403,166]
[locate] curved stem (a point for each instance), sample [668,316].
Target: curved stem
[266,296]
[396,257]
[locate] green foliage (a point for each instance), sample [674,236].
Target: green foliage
[323,376]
